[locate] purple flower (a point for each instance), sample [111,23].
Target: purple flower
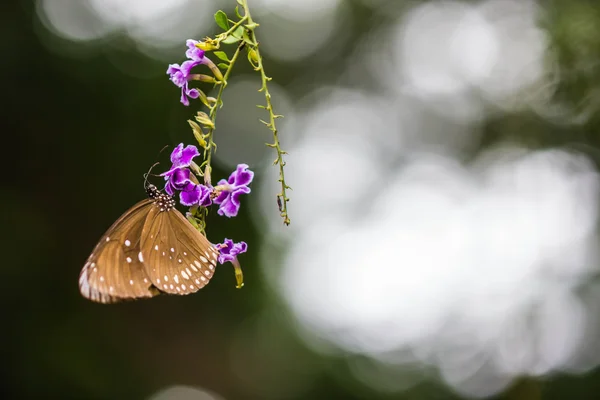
[180,76]
[181,158]
[232,189]
[193,194]
[230,250]
[178,179]
[204,199]
[194,53]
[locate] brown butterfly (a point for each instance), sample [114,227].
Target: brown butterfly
[151,249]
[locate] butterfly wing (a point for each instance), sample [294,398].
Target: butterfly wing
[114,271]
[178,258]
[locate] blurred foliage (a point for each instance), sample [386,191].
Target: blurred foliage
[79,135]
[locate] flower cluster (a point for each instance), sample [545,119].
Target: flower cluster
[180,75]
[226,194]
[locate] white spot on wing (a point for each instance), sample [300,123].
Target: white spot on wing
[185,275]
[172,250]
[207,273]
[101,279]
[176,279]
[131,281]
[204,259]
[140,257]
[166,278]
[194,268]
[127,243]
[128,259]
[155,247]
[107,239]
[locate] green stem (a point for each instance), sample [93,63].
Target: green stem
[235,26]
[282,198]
[210,144]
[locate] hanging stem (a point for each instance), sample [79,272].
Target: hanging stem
[282,198]
[210,146]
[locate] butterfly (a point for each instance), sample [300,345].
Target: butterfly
[151,249]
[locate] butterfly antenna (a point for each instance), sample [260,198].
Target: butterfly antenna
[163,149]
[148,173]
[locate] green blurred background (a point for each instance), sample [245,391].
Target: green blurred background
[83,120]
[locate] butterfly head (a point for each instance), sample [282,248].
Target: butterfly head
[164,201]
[152,191]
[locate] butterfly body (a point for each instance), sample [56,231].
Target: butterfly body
[151,249]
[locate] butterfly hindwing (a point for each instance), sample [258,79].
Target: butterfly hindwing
[178,259]
[114,271]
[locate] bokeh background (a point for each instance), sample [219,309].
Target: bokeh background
[444,157]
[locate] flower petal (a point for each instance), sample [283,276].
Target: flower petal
[176,153]
[243,176]
[193,53]
[169,188]
[176,75]
[229,250]
[184,100]
[173,68]
[180,178]
[228,208]
[192,93]
[190,195]
[187,154]
[240,248]
[235,195]
[205,199]
[187,66]
[223,195]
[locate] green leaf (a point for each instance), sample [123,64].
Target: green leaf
[221,55]
[223,65]
[240,3]
[221,20]
[230,39]
[239,32]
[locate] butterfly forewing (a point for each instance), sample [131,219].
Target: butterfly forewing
[114,271]
[178,259]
